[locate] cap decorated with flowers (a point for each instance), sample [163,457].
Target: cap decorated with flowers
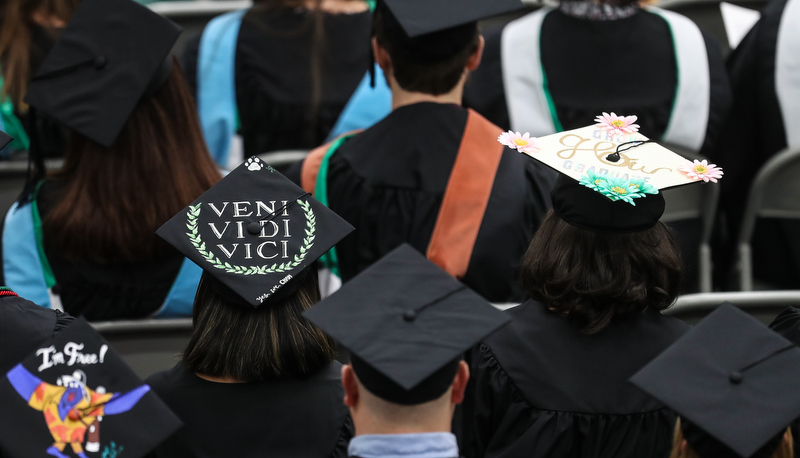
[611,175]
[254,232]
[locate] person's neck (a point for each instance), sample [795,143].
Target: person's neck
[401,97]
[367,424]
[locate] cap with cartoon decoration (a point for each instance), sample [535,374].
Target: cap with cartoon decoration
[74,395]
[733,382]
[406,323]
[254,233]
[610,174]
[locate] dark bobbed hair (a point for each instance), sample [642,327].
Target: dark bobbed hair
[256,344]
[430,78]
[593,278]
[112,199]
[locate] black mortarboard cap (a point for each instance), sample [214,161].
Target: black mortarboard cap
[428,31]
[254,232]
[732,380]
[5,139]
[406,323]
[110,55]
[75,394]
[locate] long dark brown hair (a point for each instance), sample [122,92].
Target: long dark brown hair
[16,24]
[250,344]
[593,277]
[316,23]
[112,200]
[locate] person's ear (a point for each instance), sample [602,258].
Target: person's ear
[474,60]
[350,384]
[381,56]
[460,383]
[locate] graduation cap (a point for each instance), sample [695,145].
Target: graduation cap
[429,31]
[254,232]
[610,175]
[110,55]
[5,139]
[75,395]
[406,323]
[733,382]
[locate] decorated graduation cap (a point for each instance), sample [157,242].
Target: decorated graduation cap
[733,382]
[406,324]
[610,174]
[429,31]
[254,233]
[111,54]
[74,395]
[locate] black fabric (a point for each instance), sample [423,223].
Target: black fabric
[284,418]
[753,133]
[414,321]
[787,324]
[255,231]
[101,292]
[274,79]
[590,210]
[571,46]
[389,182]
[76,390]
[726,371]
[101,66]
[24,327]
[541,388]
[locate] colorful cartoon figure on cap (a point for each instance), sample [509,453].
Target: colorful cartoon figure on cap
[70,408]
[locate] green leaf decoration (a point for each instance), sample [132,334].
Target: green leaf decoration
[194,237]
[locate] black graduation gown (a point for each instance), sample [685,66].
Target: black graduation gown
[753,133]
[540,388]
[274,75]
[787,324]
[389,182]
[285,418]
[108,291]
[643,84]
[24,327]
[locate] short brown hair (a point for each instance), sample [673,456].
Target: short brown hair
[113,199]
[593,277]
[256,344]
[430,78]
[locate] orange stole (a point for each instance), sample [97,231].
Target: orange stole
[466,197]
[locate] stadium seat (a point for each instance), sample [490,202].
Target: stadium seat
[774,194]
[149,345]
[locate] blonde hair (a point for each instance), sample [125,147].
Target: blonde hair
[785,449]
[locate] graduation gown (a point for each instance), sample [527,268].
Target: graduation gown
[389,182]
[624,65]
[100,291]
[277,418]
[273,75]
[540,388]
[754,132]
[24,327]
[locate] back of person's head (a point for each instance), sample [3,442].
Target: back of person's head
[593,277]
[781,446]
[252,344]
[416,73]
[17,19]
[112,199]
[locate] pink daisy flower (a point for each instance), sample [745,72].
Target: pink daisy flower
[522,143]
[701,170]
[618,124]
